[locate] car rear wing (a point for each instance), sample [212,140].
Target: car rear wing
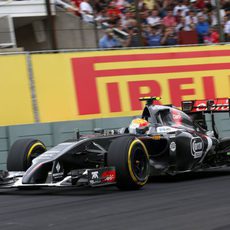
[196,109]
[149,100]
[206,106]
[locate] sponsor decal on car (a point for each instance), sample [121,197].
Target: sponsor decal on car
[166,129]
[108,176]
[95,175]
[102,176]
[221,104]
[197,147]
[172,146]
[58,172]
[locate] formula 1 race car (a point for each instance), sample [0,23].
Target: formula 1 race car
[165,140]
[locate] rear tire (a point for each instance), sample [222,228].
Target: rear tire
[22,152]
[131,160]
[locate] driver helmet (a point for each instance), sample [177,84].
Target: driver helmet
[138,125]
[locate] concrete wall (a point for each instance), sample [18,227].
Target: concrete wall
[53,133]
[222,123]
[70,32]
[5,34]
[3,147]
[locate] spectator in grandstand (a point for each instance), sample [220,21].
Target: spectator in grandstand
[86,11]
[183,26]
[69,7]
[227,28]
[178,16]
[212,37]
[209,5]
[143,16]
[134,39]
[170,37]
[109,40]
[227,11]
[153,18]
[102,19]
[174,15]
[143,7]
[165,4]
[113,20]
[191,19]
[113,10]
[141,4]
[200,4]
[194,6]
[212,17]
[154,36]
[76,3]
[150,4]
[120,31]
[113,13]
[100,5]
[225,4]
[121,5]
[215,37]
[180,7]
[202,28]
[169,20]
[128,20]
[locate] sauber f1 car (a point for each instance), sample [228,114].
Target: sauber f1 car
[166,140]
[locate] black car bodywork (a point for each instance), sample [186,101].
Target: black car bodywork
[185,144]
[176,141]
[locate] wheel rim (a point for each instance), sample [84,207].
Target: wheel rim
[138,162]
[34,151]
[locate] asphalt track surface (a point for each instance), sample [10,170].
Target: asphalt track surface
[197,201]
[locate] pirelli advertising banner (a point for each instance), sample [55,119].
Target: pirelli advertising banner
[108,83]
[101,84]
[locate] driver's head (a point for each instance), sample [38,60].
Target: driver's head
[138,125]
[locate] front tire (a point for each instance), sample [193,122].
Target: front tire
[131,160]
[22,152]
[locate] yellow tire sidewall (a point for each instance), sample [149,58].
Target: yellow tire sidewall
[35,145]
[134,178]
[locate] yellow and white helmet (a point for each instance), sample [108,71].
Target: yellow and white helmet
[138,125]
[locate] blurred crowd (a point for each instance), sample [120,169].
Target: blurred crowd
[156,22]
